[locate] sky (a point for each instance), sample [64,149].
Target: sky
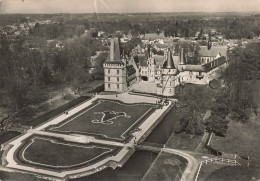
[127,6]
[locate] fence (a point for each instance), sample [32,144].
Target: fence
[210,160]
[223,160]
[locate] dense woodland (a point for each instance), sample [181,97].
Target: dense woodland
[230,25]
[25,71]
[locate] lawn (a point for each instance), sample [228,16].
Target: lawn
[166,167]
[106,118]
[230,173]
[50,153]
[184,141]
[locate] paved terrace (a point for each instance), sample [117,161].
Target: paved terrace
[125,97]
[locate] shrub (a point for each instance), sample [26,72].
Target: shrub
[180,125]
[199,129]
[68,96]
[190,127]
[214,84]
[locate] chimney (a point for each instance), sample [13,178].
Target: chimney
[112,50]
[182,57]
[149,52]
[209,45]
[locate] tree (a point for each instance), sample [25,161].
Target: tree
[200,34]
[220,108]
[130,45]
[93,32]
[45,75]
[189,48]
[241,74]
[217,125]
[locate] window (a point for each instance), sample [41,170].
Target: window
[108,78]
[170,91]
[108,85]
[117,79]
[118,86]
[108,71]
[117,71]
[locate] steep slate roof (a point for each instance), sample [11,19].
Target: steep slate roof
[204,52]
[130,70]
[203,68]
[114,56]
[194,68]
[207,67]
[168,64]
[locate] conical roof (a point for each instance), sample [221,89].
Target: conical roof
[168,64]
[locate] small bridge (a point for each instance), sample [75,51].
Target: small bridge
[153,147]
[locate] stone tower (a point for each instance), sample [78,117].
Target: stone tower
[115,69]
[151,69]
[169,72]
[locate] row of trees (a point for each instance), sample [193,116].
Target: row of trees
[231,28]
[241,76]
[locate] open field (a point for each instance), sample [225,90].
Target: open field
[184,141]
[207,170]
[166,167]
[232,173]
[103,116]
